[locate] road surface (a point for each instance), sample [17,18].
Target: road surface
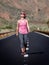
[38,52]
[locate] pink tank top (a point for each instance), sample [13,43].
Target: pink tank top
[23,26]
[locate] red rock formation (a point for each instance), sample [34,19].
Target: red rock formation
[4,15]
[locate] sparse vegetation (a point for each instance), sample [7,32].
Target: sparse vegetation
[41,27]
[48,23]
[30,9]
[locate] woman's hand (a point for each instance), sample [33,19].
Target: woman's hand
[17,32]
[29,30]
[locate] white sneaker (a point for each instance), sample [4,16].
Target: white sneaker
[26,55]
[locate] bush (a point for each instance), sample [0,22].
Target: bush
[48,23]
[6,27]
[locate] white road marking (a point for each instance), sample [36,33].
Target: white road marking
[42,34]
[27,48]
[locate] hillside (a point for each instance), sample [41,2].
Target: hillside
[11,8]
[36,10]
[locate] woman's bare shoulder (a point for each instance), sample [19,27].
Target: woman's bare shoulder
[18,20]
[26,20]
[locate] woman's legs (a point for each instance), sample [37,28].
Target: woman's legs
[22,42]
[25,40]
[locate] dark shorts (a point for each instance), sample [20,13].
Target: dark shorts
[23,39]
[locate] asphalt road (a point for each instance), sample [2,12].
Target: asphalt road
[38,52]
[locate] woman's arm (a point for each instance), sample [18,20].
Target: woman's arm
[17,29]
[28,27]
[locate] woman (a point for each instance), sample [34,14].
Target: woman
[22,30]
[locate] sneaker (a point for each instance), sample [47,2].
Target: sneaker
[26,55]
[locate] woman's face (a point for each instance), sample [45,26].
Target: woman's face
[22,14]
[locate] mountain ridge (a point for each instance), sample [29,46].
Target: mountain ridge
[37,9]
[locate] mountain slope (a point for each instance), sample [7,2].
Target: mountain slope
[37,10]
